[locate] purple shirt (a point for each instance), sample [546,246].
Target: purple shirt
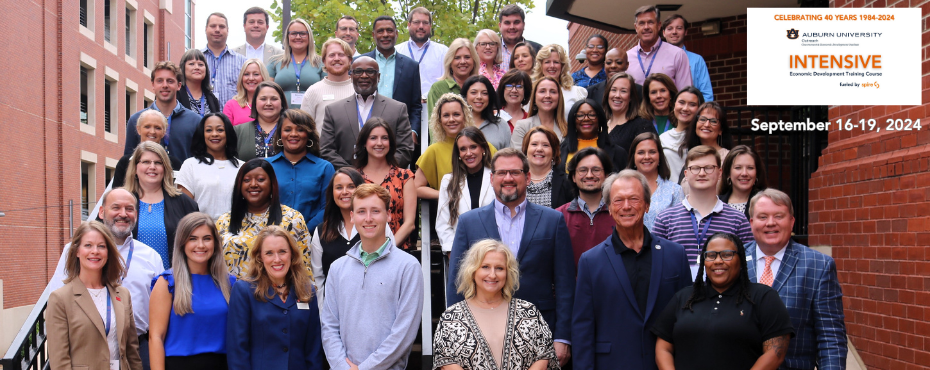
[669,59]
[675,224]
[510,228]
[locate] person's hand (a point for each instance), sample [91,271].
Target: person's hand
[563,352]
[351,365]
[416,138]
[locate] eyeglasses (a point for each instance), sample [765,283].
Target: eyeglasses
[587,116]
[348,29]
[513,87]
[420,23]
[711,256]
[299,34]
[359,72]
[594,170]
[599,47]
[512,173]
[707,169]
[713,121]
[487,44]
[149,163]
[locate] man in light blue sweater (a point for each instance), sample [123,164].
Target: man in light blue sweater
[374,294]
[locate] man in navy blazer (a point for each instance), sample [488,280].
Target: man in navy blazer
[804,279]
[537,235]
[402,83]
[624,283]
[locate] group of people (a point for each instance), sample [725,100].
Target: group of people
[588,219]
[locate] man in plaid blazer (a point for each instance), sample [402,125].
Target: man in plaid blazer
[805,280]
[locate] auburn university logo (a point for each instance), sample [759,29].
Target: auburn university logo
[792,34]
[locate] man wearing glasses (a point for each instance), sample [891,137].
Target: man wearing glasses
[701,214]
[343,120]
[347,30]
[624,283]
[538,237]
[586,215]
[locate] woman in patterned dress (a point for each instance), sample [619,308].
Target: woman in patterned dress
[256,204]
[490,329]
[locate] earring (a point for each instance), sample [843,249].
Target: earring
[729,182]
[279,142]
[460,158]
[310,145]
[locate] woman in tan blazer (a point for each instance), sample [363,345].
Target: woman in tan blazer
[79,336]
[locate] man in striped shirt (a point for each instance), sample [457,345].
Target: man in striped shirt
[224,64]
[701,214]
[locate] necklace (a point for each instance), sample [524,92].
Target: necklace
[499,302]
[96,295]
[535,179]
[280,286]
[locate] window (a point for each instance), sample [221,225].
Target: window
[187,24]
[110,105]
[87,189]
[84,13]
[130,104]
[108,174]
[107,20]
[148,43]
[148,102]
[87,92]
[130,31]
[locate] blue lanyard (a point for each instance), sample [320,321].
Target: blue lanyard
[298,69]
[106,325]
[421,55]
[216,62]
[129,259]
[167,138]
[654,53]
[700,236]
[359,111]
[656,125]
[203,98]
[270,134]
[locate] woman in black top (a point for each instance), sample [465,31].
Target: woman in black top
[467,187]
[621,101]
[587,125]
[730,323]
[743,176]
[195,93]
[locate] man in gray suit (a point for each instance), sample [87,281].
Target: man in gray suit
[343,120]
[255,22]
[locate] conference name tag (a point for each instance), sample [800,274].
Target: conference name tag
[329,97]
[303,306]
[297,98]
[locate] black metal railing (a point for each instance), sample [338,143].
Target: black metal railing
[28,348]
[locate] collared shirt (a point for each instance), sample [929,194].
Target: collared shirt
[386,67]
[669,59]
[760,261]
[717,208]
[699,74]
[224,72]
[144,266]
[638,266]
[510,227]
[367,258]
[667,194]
[255,53]
[675,224]
[506,54]
[584,208]
[364,106]
[302,185]
[429,57]
[582,79]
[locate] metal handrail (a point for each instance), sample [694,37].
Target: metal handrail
[29,344]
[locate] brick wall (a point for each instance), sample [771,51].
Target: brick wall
[870,201]
[43,137]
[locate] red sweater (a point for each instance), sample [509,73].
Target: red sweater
[586,232]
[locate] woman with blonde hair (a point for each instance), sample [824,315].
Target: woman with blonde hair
[487,45]
[190,301]
[239,108]
[274,307]
[151,126]
[491,329]
[94,270]
[552,61]
[299,67]
[547,109]
[161,205]
[460,63]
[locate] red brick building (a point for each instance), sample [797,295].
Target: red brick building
[76,70]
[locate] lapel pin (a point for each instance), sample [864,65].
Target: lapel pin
[741,312]
[749,258]
[658,246]
[117,298]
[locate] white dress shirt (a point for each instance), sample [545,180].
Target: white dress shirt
[364,107]
[255,53]
[429,57]
[760,262]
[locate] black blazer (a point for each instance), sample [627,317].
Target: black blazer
[617,154]
[212,102]
[562,190]
[175,209]
[406,86]
[596,92]
[726,196]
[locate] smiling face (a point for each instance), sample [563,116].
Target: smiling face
[701,180]
[370,217]
[539,152]
[471,154]
[646,157]
[522,59]
[365,83]
[336,61]
[276,257]
[452,118]
[619,96]
[627,203]
[256,189]
[491,276]
[343,187]
[771,224]
[660,97]
[462,64]
[487,49]
[586,122]
[743,173]
[298,37]
[255,27]
[514,96]
[477,97]
[294,137]
[645,26]
[200,246]
[347,30]
[675,32]
[722,274]
[419,27]
[615,62]
[595,50]
[166,86]
[252,77]
[217,30]
[151,128]
[589,175]
[92,251]
[214,132]
[378,143]
[707,130]
[150,170]
[268,103]
[119,213]
[509,189]
[552,66]
[511,28]
[547,96]
[385,35]
[194,71]
[685,108]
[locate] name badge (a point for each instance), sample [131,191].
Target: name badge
[303,306]
[329,97]
[297,98]
[114,364]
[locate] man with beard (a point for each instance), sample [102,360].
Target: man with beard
[427,53]
[347,30]
[142,262]
[586,216]
[343,120]
[537,236]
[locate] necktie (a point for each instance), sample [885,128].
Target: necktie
[767,278]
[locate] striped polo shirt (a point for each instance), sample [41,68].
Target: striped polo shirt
[674,224]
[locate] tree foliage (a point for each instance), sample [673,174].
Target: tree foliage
[451,18]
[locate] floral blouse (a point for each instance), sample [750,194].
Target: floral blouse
[494,73]
[667,194]
[458,340]
[236,247]
[394,183]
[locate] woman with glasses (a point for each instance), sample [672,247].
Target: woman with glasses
[460,63]
[523,58]
[196,93]
[299,67]
[647,157]
[687,103]
[727,319]
[595,54]
[488,46]
[743,176]
[479,93]
[513,93]
[587,128]
[548,186]
[710,129]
